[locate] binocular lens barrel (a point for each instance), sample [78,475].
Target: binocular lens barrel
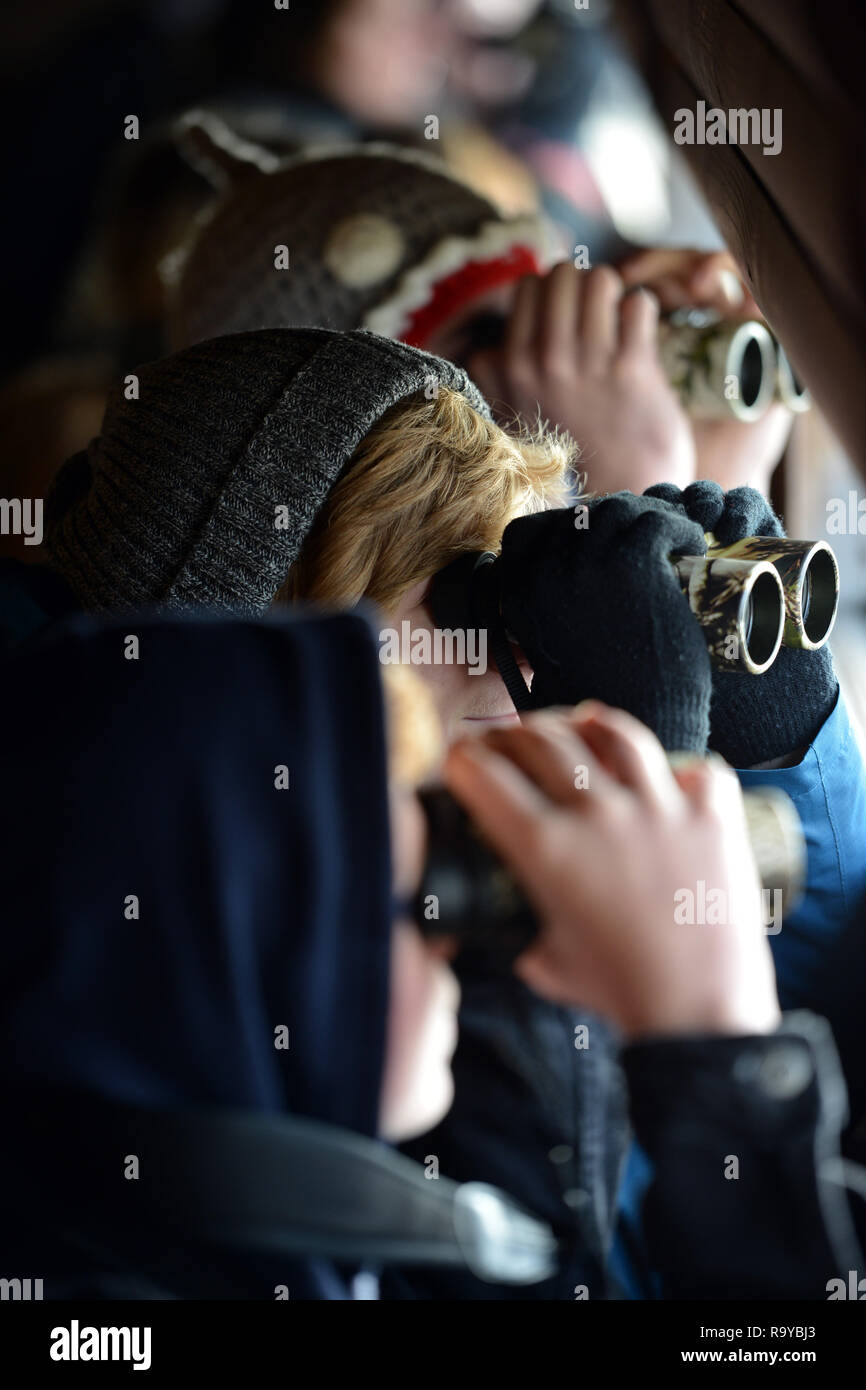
[809,576]
[789,389]
[749,597]
[720,368]
[740,604]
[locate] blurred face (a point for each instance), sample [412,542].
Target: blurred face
[468,700]
[417,1086]
[385,60]
[492,18]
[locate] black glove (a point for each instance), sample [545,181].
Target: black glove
[600,614]
[756,718]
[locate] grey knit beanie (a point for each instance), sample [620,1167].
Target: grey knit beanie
[368,232]
[182,499]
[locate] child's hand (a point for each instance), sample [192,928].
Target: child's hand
[756,720]
[734,453]
[609,868]
[683,279]
[593,602]
[583,355]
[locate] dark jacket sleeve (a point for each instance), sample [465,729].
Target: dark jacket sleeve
[742,1134]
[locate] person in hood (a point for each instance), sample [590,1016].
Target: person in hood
[310,464]
[199,918]
[209,956]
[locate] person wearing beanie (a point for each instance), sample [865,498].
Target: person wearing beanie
[386,238]
[310,464]
[300,465]
[314,465]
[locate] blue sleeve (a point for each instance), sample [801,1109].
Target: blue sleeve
[828,789]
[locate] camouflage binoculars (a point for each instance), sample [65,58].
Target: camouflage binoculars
[722,369]
[759,594]
[750,598]
[725,369]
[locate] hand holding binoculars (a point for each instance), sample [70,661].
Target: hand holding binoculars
[750,598]
[480,904]
[723,368]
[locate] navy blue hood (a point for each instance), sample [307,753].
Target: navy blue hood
[258,908]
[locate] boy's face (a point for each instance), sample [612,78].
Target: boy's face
[469,697]
[417,1086]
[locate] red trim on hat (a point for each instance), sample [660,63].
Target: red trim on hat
[458,289]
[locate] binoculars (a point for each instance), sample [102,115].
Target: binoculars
[723,369]
[479,903]
[750,598]
[763,592]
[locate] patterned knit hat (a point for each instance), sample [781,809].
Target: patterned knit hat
[202,490]
[360,236]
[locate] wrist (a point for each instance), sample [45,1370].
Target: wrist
[710,1001]
[715,1018]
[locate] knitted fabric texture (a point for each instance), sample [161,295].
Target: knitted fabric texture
[175,503]
[600,614]
[354,224]
[754,719]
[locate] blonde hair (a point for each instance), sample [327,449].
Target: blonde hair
[432,480]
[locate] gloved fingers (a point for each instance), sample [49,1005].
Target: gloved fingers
[730,516]
[746,513]
[613,513]
[615,517]
[528,540]
[704,502]
[665,492]
[660,534]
